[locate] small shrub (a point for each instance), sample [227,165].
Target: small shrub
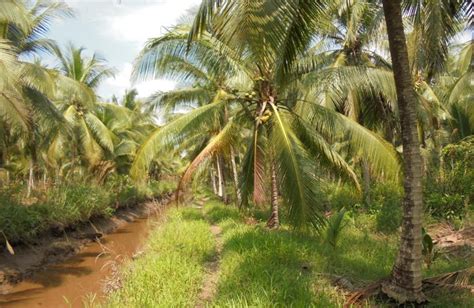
[62,206]
[430,252]
[342,196]
[65,205]
[162,187]
[123,190]
[387,198]
[334,227]
[77,203]
[449,190]
[19,222]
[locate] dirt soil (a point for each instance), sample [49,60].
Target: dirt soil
[52,248]
[453,242]
[209,287]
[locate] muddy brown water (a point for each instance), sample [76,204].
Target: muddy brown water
[74,282]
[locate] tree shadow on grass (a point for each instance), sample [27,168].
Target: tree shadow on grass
[218,214]
[263,268]
[361,258]
[190,214]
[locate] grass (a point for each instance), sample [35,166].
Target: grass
[171,272]
[266,268]
[262,268]
[64,205]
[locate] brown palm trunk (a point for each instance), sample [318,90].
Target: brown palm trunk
[7,180]
[274,220]
[405,284]
[45,178]
[238,195]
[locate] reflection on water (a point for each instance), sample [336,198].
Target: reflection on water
[66,284]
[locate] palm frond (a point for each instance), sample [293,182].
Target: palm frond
[167,137]
[99,131]
[216,144]
[381,154]
[171,101]
[298,183]
[322,150]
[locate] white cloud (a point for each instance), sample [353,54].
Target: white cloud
[146,88]
[119,29]
[138,24]
[149,87]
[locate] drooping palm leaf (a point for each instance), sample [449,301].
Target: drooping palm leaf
[296,177]
[167,137]
[217,143]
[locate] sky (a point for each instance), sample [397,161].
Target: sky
[117,30]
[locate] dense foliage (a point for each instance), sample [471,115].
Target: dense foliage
[283,107]
[62,206]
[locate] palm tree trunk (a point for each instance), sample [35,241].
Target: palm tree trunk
[32,171]
[274,220]
[405,284]
[6,162]
[31,181]
[220,178]
[213,181]
[45,178]
[236,177]
[58,176]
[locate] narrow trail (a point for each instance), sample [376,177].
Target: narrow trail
[209,286]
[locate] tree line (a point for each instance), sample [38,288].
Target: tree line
[275,98]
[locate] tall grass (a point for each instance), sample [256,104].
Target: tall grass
[64,205]
[171,272]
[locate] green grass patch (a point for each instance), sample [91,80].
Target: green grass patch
[285,268]
[67,204]
[262,268]
[171,271]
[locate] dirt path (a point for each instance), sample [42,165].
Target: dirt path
[209,287]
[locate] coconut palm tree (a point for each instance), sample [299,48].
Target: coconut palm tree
[33,89]
[77,102]
[405,284]
[130,124]
[201,82]
[280,140]
[434,24]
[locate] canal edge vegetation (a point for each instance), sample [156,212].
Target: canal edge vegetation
[53,242]
[57,209]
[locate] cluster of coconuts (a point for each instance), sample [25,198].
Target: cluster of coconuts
[265,116]
[250,95]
